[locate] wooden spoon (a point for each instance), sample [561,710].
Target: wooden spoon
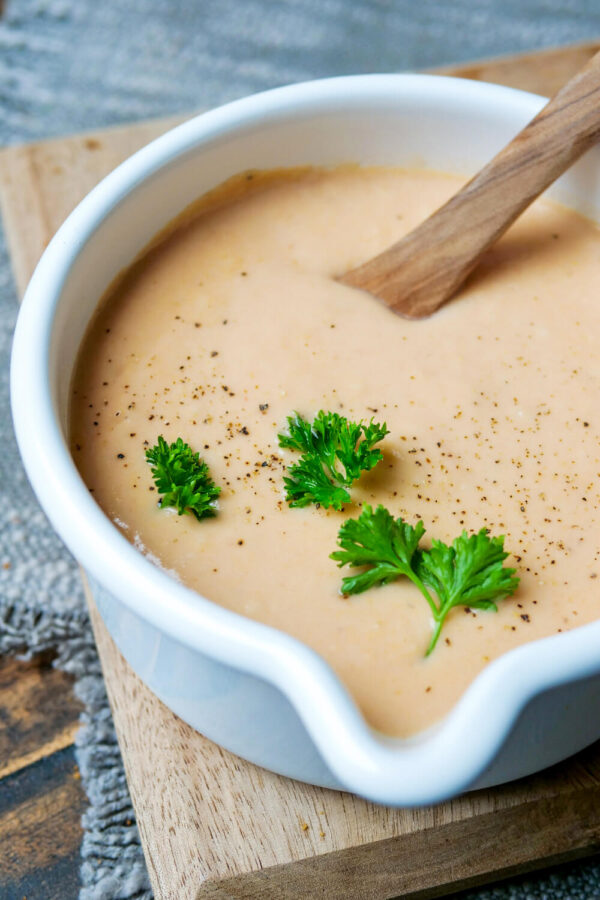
[415,276]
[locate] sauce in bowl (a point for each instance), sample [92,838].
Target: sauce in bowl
[233,320]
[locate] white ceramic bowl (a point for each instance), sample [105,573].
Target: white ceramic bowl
[257,691]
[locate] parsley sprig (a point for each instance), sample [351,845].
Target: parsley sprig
[334,453]
[183,479]
[468,572]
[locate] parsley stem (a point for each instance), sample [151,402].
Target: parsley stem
[439,621]
[439,614]
[417,581]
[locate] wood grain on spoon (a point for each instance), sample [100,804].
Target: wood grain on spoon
[422,271]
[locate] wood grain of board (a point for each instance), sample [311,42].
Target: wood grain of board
[541,72]
[211,824]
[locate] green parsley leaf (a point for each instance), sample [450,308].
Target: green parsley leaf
[307,483]
[469,572]
[334,453]
[377,540]
[183,479]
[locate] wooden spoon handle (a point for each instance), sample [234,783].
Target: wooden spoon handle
[419,273]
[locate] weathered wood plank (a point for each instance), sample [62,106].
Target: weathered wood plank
[38,712]
[40,830]
[41,799]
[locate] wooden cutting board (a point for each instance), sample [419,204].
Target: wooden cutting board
[215,826]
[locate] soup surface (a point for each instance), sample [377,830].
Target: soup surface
[233,320]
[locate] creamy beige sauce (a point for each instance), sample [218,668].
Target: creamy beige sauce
[234,321]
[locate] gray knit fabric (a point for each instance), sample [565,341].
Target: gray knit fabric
[69,65]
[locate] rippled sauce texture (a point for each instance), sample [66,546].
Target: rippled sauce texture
[234,320]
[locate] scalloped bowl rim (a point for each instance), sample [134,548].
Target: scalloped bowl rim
[437,763]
